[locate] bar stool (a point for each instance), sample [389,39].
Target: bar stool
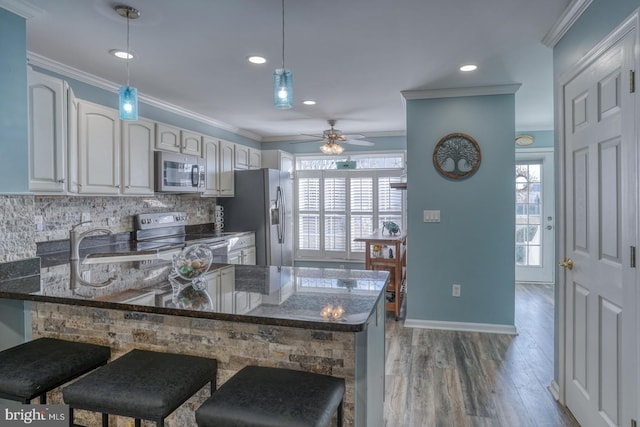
[269,397]
[141,384]
[32,369]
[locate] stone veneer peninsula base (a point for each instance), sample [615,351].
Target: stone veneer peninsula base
[234,344]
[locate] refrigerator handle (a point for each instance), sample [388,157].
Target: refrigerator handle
[279,209]
[283,213]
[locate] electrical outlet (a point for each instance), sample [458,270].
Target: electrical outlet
[86,217]
[455,290]
[86,275]
[39,221]
[342,266]
[431,216]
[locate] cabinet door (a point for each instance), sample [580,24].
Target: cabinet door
[249,256]
[72,142]
[167,138]
[241,153]
[138,140]
[98,149]
[211,154]
[47,133]
[190,143]
[227,287]
[226,185]
[287,162]
[255,159]
[234,257]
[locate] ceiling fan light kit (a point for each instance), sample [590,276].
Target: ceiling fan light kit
[128,96]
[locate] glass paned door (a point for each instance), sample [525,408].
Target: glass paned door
[534,232]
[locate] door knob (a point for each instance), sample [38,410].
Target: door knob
[567,263]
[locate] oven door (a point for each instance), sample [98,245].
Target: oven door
[179,173]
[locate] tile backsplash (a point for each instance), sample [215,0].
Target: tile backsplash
[59,213]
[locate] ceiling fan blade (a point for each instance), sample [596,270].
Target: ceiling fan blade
[359,142]
[306,142]
[353,136]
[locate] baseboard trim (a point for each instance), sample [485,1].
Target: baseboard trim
[554,388]
[490,328]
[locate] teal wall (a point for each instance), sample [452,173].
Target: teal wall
[473,245]
[600,18]
[14,155]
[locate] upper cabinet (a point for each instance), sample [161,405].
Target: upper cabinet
[138,140]
[247,158]
[98,149]
[47,101]
[278,159]
[171,138]
[218,157]
[190,143]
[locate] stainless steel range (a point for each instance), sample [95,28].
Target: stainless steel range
[155,230]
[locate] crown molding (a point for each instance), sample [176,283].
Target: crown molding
[565,22]
[74,73]
[21,8]
[463,91]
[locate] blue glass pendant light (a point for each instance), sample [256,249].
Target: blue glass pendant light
[283,80]
[128,102]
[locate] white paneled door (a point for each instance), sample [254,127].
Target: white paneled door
[600,206]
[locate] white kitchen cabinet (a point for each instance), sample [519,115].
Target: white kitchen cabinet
[98,149]
[172,138]
[242,249]
[47,103]
[72,142]
[190,143]
[138,140]
[241,157]
[167,138]
[220,286]
[255,158]
[218,157]
[278,159]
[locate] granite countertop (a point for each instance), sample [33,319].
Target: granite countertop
[270,295]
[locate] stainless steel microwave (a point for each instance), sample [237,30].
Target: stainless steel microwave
[179,173]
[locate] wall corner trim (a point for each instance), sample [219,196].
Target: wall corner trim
[460,92]
[565,22]
[21,8]
[490,328]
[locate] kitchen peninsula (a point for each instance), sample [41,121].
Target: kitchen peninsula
[328,321]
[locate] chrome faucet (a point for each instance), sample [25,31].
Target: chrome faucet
[75,238]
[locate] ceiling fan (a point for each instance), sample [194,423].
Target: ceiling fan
[332,137]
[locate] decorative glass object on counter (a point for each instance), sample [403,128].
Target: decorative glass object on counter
[187,282]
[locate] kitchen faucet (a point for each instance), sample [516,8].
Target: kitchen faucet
[75,238]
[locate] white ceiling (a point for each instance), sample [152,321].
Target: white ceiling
[353,57]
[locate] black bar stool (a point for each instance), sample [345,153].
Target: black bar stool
[32,369]
[267,397]
[144,385]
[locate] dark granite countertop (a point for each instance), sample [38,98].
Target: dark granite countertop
[270,295]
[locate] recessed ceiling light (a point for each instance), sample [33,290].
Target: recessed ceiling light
[309,102]
[257,59]
[122,54]
[469,67]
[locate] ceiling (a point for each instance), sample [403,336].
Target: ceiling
[353,57]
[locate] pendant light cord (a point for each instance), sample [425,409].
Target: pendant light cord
[129,53]
[283,36]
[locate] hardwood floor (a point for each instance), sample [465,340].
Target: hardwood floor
[456,379]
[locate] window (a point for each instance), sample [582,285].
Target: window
[335,206]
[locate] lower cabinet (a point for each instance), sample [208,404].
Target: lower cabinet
[220,286]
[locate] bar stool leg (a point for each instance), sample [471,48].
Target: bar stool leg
[43,398]
[105,420]
[70,417]
[340,414]
[137,422]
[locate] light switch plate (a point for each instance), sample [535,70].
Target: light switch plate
[431,216]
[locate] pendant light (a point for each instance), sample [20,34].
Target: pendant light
[283,80]
[128,101]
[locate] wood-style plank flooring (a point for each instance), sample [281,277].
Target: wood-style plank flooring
[440,378]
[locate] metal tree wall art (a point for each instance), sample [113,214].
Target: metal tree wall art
[457,155]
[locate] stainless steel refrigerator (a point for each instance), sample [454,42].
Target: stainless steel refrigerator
[263,202]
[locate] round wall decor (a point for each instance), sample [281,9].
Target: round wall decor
[457,155]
